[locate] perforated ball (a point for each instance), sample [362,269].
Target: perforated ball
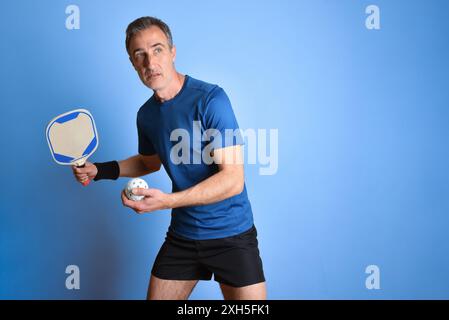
[135,183]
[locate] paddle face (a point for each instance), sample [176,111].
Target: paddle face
[72,137]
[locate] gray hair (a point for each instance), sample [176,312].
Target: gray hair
[145,23]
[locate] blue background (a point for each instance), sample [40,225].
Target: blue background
[363,123]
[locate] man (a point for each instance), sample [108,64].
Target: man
[211,230]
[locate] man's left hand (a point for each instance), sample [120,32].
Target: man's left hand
[153,200]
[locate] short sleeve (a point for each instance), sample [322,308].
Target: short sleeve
[219,119]
[145,147]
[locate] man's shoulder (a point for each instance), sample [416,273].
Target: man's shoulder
[203,87]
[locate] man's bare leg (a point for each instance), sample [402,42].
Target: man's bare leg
[256,291]
[161,289]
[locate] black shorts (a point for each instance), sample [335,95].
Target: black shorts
[234,261]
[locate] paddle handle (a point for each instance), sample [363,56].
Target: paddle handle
[85,183]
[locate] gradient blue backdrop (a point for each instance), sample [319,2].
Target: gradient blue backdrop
[363,153]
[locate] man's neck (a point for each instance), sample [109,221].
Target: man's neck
[172,90]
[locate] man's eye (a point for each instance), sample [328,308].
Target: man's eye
[158,50]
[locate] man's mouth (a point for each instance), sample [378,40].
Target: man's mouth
[153,76]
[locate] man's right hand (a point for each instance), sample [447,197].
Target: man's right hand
[86,173]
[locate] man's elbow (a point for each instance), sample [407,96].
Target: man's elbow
[151,165]
[152,168]
[238,184]
[156,167]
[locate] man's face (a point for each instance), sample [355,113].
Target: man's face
[152,58]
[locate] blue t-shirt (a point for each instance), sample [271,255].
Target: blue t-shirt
[196,121]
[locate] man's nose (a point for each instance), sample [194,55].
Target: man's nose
[147,61]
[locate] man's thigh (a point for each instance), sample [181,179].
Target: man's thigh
[256,291]
[161,289]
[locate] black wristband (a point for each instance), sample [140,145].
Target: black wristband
[107,170]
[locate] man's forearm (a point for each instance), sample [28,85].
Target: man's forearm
[133,167]
[220,186]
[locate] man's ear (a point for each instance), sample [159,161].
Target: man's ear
[173,51]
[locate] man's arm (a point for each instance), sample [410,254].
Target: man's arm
[139,165]
[136,166]
[227,182]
